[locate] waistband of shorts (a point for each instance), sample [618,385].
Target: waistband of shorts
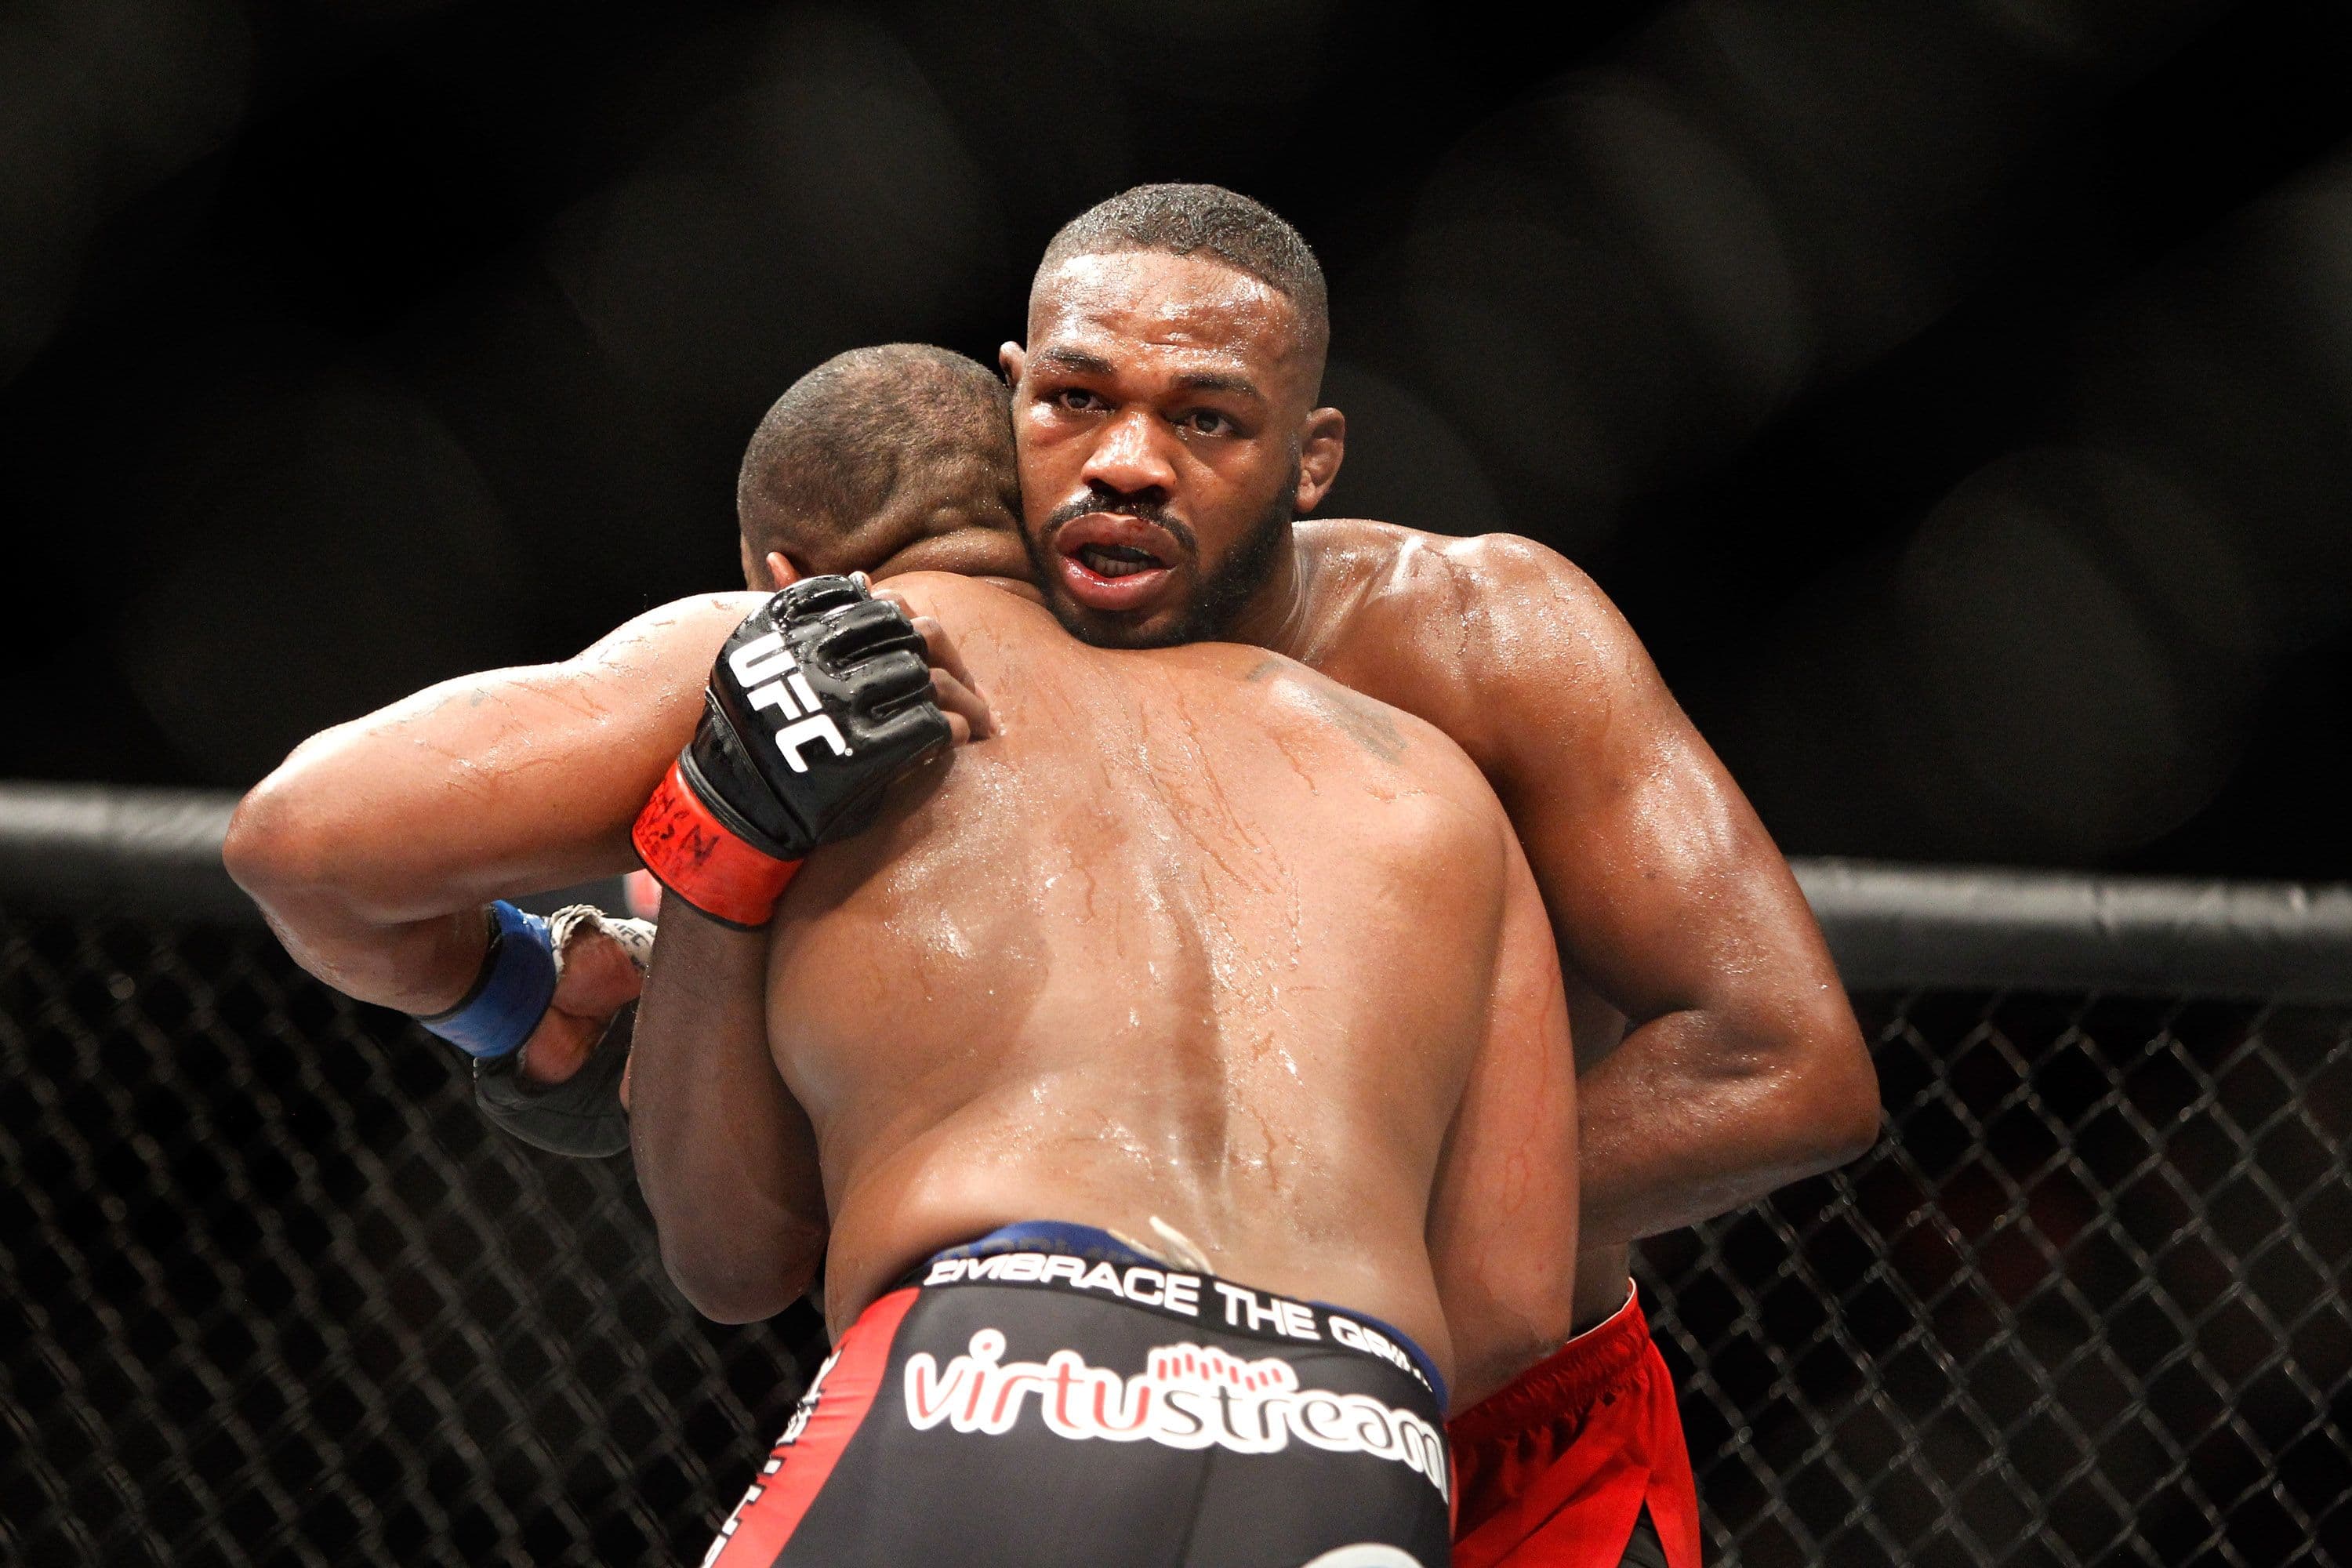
[1571,1378]
[1059,1236]
[1264,1315]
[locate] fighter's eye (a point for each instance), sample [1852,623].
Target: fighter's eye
[1206,422]
[1078,400]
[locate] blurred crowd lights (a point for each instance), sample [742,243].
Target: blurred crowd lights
[1610,285]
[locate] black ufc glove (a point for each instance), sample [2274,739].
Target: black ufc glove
[820,699]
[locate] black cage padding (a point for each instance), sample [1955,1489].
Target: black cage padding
[154,854]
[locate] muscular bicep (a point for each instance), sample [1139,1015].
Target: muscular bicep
[492,784]
[1666,890]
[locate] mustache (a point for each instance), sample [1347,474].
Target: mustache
[1144,507]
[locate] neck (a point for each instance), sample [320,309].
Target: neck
[1275,616]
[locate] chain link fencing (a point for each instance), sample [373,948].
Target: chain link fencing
[2083,1304]
[274,1294]
[277,1294]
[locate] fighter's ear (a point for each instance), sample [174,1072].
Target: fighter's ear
[766,573]
[1013,359]
[1322,444]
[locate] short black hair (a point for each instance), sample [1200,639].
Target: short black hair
[1188,220]
[876,434]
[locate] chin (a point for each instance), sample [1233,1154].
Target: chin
[1099,628]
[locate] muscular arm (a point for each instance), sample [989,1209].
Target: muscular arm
[1742,1069]
[372,848]
[725,1155]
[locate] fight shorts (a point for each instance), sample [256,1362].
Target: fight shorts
[1050,1395]
[1580,1462]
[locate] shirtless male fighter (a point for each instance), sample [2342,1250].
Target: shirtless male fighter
[1164,406]
[1168,432]
[1742,1069]
[1197,948]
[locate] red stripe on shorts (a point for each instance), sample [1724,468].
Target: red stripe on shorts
[765,1521]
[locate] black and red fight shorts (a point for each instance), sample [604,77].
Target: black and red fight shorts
[1580,1461]
[1049,1396]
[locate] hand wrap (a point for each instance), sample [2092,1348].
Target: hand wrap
[820,699]
[582,1116]
[510,990]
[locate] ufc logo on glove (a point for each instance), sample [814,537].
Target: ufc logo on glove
[756,664]
[727,825]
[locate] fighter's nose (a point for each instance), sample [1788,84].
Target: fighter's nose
[1128,458]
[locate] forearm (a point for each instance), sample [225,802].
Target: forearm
[1699,1112]
[373,848]
[374,948]
[422,966]
[725,1155]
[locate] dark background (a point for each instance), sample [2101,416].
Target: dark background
[1955,394]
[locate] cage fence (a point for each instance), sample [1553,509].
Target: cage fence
[276,1294]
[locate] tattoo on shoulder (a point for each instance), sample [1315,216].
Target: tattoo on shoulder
[1367,723]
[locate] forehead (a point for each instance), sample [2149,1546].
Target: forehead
[1139,307]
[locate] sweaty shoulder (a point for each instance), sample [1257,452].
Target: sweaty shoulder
[1481,635]
[1386,739]
[686,631]
[961,603]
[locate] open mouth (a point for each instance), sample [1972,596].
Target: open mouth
[1114,562]
[1117,560]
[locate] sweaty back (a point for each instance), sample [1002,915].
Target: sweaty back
[1198,944]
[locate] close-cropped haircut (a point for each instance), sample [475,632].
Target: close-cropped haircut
[873,433]
[1205,220]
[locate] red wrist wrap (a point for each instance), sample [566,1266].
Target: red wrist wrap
[694,855]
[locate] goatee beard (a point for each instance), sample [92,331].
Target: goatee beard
[1210,617]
